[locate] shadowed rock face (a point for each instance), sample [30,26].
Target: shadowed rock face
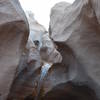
[30,67]
[70,91]
[13,37]
[29,70]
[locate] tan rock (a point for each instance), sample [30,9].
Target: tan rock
[77,26]
[13,37]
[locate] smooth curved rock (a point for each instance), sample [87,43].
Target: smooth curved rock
[29,72]
[13,37]
[77,26]
[70,91]
[75,30]
[30,67]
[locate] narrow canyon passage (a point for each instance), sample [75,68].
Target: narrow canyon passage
[61,63]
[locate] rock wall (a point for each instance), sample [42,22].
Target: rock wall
[75,29]
[77,26]
[13,37]
[29,70]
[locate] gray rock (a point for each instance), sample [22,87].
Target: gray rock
[30,65]
[13,38]
[77,27]
[74,28]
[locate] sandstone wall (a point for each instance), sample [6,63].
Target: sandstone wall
[13,37]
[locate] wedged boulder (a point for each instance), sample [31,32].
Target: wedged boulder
[77,27]
[13,38]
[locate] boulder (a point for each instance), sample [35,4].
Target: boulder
[13,38]
[77,26]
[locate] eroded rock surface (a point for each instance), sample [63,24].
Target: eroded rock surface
[77,26]
[75,29]
[13,37]
[70,91]
[40,47]
[29,69]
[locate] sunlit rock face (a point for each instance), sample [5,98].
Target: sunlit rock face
[13,38]
[76,26]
